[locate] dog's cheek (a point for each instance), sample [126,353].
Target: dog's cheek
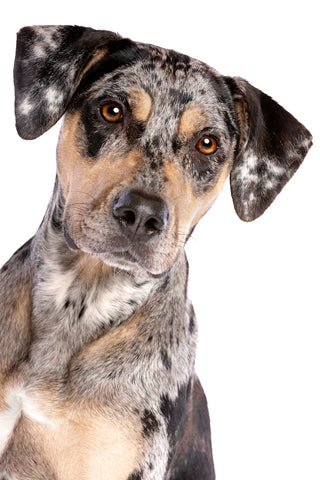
[188,202]
[68,151]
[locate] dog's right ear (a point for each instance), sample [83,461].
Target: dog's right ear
[50,62]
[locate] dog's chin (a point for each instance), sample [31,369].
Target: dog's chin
[125,259]
[128,261]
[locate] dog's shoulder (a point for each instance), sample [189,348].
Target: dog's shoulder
[15,308]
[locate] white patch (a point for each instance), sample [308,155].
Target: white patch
[117,299]
[56,285]
[245,170]
[39,51]
[54,98]
[46,35]
[26,106]
[276,170]
[19,403]
[32,410]
[9,418]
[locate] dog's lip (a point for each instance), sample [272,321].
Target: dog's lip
[125,255]
[71,243]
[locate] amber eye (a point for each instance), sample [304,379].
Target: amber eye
[111,112]
[207,145]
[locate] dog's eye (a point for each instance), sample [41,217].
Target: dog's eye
[111,112]
[207,145]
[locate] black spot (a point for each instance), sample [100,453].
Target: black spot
[136,475]
[165,283]
[149,423]
[4,268]
[23,252]
[191,321]
[82,310]
[150,338]
[166,360]
[56,222]
[67,303]
[261,169]
[176,143]
[149,67]
[133,303]
[174,412]
[180,97]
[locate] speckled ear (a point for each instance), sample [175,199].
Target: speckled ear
[272,146]
[49,64]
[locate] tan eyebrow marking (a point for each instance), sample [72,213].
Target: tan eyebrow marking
[141,104]
[192,120]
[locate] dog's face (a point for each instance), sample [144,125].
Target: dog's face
[143,153]
[148,140]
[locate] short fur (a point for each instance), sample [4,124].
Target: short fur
[98,336]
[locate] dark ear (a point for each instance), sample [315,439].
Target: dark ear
[272,146]
[49,64]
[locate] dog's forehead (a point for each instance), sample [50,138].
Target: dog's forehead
[165,75]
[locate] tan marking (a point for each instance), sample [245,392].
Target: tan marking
[141,104]
[185,206]
[121,338]
[98,55]
[90,186]
[92,442]
[192,120]
[93,446]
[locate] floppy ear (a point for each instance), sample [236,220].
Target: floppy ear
[50,62]
[272,146]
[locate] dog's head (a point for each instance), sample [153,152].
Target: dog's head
[148,140]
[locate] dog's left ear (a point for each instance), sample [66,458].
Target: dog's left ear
[50,62]
[272,146]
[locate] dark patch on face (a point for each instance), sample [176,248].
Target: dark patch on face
[166,360]
[149,423]
[95,137]
[176,143]
[195,465]
[179,96]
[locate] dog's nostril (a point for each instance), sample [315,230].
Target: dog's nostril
[153,225]
[128,216]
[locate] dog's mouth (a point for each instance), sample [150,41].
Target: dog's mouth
[116,251]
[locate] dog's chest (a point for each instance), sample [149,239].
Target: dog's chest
[100,365]
[66,442]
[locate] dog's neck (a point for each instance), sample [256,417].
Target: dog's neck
[78,299]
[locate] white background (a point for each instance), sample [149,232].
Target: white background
[255,286]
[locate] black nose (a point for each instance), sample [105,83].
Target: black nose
[140,215]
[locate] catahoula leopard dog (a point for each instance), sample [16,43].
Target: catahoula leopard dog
[98,336]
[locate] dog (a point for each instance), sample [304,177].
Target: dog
[98,335]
